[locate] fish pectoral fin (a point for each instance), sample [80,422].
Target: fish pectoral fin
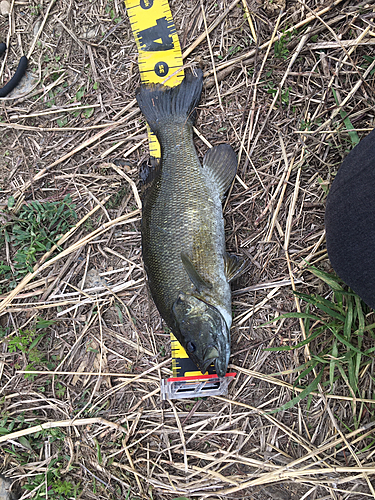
[220,163]
[233,266]
[193,274]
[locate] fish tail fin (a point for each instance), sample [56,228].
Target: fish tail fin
[161,105]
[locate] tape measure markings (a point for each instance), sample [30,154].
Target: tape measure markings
[159,51]
[182,365]
[157,40]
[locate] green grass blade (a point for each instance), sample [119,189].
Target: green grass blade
[280,348]
[361,328]
[324,305]
[361,320]
[36,340]
[310,338]
[353,381]
[310,388]
[332,363]
[346,343]
[354,139]
[307,320]
[330,279]
[301,315]
[344,376]
[305,372]
[348,321]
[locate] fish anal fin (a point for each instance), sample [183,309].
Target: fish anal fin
[220,164]
[193,274]
[234,266]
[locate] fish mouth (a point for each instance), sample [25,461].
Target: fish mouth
[211,354]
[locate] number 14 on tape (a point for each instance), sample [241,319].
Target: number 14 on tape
[159,51]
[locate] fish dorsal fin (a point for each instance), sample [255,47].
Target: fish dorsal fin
[220,163]
[193,274]
[233,266]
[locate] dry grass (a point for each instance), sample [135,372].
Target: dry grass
[90,409]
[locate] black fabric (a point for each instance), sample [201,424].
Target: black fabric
[350,220]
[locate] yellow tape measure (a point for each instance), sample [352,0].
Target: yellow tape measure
[159,51]
[159,59]
[182,365]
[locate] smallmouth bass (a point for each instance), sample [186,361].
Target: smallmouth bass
[183,241]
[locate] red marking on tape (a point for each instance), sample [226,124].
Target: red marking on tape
[199,377]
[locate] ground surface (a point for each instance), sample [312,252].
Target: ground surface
[292,109]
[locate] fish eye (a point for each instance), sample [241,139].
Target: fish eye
[190,347]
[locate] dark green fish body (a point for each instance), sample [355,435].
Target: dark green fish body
[183,239]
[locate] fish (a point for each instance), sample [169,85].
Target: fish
[182,228]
